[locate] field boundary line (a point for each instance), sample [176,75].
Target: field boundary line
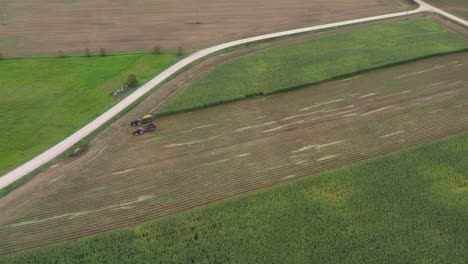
[70,141]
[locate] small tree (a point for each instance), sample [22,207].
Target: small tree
[410,4]
[87,52]
[157,49]
[102,52]
[131,80]
[60,54]
[1,56]
[180,51]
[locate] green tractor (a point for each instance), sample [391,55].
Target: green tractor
[142,121]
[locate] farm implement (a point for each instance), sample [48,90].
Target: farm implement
[143,125]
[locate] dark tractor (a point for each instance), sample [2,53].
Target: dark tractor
[135,122]
[147,128]
[139,131]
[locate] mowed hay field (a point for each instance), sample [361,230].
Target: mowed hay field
[204,156]
[44,99]
[320,59]
[407,207]
[43,27]
[456,7]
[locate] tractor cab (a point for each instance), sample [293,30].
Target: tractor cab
[139,131]
[135,122]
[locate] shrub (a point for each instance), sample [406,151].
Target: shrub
[1,56]
[60,54]
[157,49]
[180,51]
[131,80]
[102,52]
[87,53]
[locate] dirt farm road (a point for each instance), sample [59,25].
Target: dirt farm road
[70,141]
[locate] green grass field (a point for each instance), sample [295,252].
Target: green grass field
[44,99]
[317,60]
[457,7]
[410,206]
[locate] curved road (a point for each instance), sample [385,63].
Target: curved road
[67,143]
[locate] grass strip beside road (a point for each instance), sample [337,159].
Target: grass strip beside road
[295,65]
[406,207]
[42,100]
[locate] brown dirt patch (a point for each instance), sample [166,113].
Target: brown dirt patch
[42,27]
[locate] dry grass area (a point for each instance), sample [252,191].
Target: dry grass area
[204,156]
[30,27]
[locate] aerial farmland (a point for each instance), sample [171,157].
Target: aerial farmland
[32,27]
[219,132]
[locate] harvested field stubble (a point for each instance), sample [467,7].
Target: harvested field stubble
[29,27]
[405,207]
[209,155]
